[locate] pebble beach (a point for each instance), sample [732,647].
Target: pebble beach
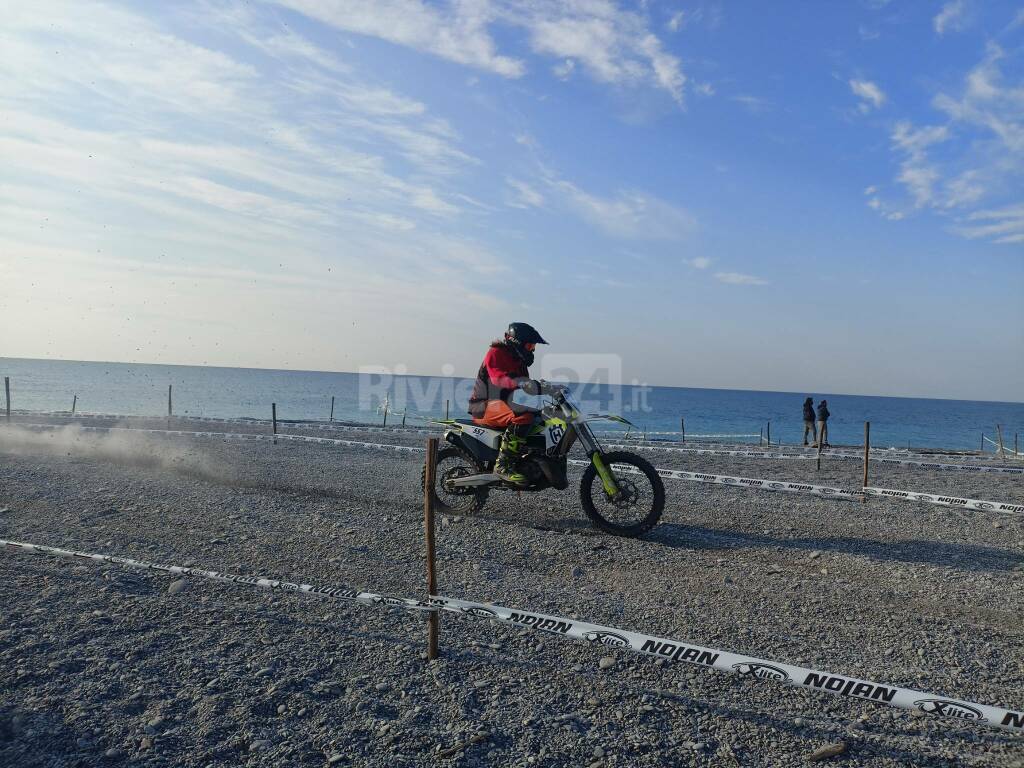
[109,666]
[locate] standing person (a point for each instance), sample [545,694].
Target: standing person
[809,421]
[503,371]
[823,415]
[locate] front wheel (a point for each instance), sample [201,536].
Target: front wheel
[640,503]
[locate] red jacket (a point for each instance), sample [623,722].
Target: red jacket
[496,379]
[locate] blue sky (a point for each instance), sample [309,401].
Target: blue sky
[799,196]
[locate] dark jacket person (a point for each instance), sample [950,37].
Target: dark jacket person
[823,415]
[809,428]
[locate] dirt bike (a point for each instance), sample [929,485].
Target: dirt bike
[621,492]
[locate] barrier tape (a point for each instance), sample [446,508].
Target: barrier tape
[829,454]
[600,636]
[945,501]
[742,482]
[766,484]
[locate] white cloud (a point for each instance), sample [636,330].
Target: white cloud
[869,93]
[630,214]
[1004,225]
[458,33]
[526,196]
[738,278]
[612,45]
[754,104]
[870,190]
[699,262]
[677,21]
[916,173]
[976,157]
[950,18]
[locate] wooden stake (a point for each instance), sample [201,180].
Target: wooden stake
[7,393]
[820,441]
[429,471]
[999,433]
[406,411]
[74,404]
[331,417]
[982,442]
[760,437]
[682,428]
[385,413]
[768,435]
[446,410]
[169,409]
[1015,453]
[273,418]
[867,451]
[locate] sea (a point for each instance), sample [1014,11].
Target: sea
[729,415]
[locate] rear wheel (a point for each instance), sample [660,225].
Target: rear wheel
[640,503]
[452,463]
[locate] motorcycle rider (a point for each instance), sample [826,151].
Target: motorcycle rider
[504,370]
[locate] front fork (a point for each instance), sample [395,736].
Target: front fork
[611,487]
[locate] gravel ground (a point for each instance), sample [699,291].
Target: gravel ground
[106,666]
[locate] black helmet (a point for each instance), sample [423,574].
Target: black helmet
[523,333]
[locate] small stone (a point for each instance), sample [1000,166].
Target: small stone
[176,586]
[598,752]
[815,554]
[335,758]
[798,721]
[301,712]
[259,744]
[480,684]
[592,702]
[156,722]
[606,662]
[281,709]
[146,743]
[112,753]
[997,524]
[265,672]
[381,686]
[827,751]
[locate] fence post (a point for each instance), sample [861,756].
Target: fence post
[820,441]
[273,419]
[760,436]
[446,410]
[867,451]
[768,435]
[169,405]
[1015,453]
[7,393]
[331,418]
[982,442]
[404,413]
[999,433]
[682,427]
[74,404]
[429,470]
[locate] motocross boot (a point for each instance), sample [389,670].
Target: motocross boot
[504,467]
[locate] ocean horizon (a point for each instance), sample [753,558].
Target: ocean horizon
[141,389]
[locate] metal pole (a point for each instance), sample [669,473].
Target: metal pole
[404,413]
[7,392]
[867,451]
[760,436]
[74,404]
[273,419]
[982,442]
[429,470]
[385,413]
[331,418]
[768,435]
[682,428]
[169,410]
[999,433]
[446,410]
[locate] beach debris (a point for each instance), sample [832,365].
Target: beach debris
[827,751]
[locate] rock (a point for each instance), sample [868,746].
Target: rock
[265,672]
[606,662]
[335,759]
[259,745]
[177,586]
[815,554]
[146,743]
[156,722]
[381,686]
[112,754]
[598,752]
[827,751]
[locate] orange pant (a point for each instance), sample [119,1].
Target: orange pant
[498,414]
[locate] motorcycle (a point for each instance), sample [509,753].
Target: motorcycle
[621,492]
